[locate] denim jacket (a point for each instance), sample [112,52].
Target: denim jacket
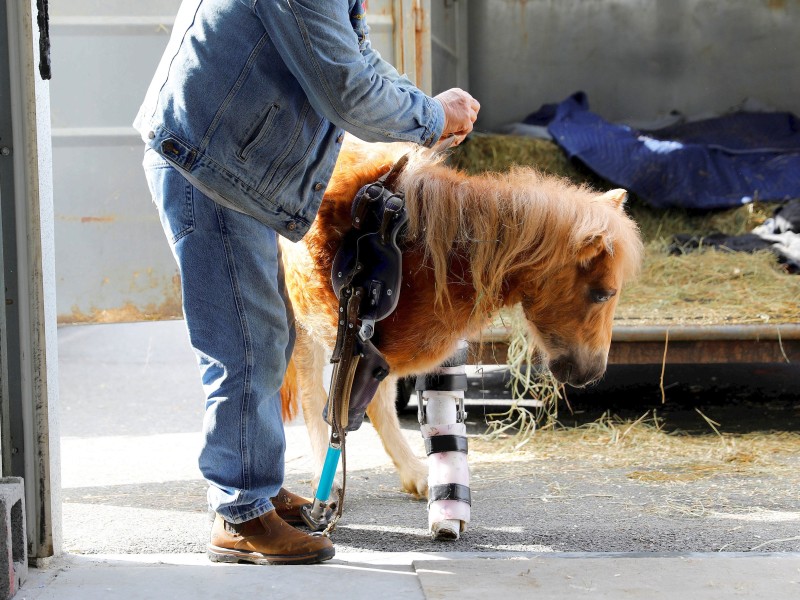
[252,97]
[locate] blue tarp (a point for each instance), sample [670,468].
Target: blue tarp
[714,163]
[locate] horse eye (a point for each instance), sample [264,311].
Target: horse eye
[598,296]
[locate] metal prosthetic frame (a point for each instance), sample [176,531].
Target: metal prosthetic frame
[358,370]
[441,418]
[366,277]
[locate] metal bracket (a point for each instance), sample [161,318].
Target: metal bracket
[461,414]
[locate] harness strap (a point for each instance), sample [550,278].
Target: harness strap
[446,443]
[43,21]
[442,382]
[450,491]
[342,325]
[390,178]
[345,363]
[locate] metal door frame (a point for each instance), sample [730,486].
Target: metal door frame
[412,41]
[30,436]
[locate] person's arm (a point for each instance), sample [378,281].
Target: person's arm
[381,66]
[460,108]
[319,46]
[384,68]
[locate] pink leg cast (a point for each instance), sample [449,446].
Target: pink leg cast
[445,434]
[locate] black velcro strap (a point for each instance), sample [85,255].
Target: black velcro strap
[450,491]
[442,383]
[446,443]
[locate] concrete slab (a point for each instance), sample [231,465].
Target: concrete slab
[415,575]
[189,577]
[554,577]
[135,515]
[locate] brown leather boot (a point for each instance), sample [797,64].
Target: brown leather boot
[287,505]
[267,539]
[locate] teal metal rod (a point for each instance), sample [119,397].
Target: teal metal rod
[328,473]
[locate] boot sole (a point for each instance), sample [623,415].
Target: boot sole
[228,555]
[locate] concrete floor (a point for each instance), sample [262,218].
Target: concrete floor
[412,576]
[134,508]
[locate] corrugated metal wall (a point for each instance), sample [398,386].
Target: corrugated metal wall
[113,263]
[635,58]
[449,45]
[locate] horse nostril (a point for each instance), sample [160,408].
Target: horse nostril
[561,368]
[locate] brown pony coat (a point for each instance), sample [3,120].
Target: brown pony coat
[474,244]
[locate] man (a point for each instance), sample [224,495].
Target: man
[243,122]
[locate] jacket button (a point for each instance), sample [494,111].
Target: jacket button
[169,146]
[291,226]
[151,135]
[340,139]
[318,186]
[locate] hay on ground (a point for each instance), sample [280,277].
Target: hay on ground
[652,454]
[497,153]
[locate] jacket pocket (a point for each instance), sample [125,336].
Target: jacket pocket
[259,133]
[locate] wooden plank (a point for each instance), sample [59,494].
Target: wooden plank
[684,346]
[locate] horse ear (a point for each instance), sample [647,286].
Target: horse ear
[615,197]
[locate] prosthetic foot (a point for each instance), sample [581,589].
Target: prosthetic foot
[441,417]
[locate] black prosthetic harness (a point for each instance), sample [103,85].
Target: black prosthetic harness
[366,277]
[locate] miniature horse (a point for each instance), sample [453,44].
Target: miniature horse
[474,244]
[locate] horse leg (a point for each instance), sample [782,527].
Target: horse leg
[310,358]
[383,416]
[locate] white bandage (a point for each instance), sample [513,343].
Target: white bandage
[446,518]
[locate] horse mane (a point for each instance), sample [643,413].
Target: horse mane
[507,223]
[499,224]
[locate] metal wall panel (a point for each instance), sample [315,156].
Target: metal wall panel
[634,58]
[449,45]
[113,263]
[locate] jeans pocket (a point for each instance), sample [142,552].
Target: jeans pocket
[172,194]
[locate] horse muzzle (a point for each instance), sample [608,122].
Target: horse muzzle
[577,373]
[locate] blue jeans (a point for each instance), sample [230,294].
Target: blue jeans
[240,326]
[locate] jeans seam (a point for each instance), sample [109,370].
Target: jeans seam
[246,391]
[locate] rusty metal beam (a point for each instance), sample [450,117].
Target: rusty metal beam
[682,344]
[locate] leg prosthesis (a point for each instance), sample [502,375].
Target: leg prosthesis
[441,417]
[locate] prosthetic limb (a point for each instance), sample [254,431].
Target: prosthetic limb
[441,417]
[358,370]
[366,275]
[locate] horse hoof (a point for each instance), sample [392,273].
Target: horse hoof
[449,529]
[414,478]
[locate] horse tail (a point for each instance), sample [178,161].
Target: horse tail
[289,393]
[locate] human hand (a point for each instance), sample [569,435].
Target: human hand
[460,112]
